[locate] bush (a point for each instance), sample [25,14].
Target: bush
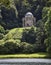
[39,48]
[3,50]
[49,50]
[8,36]
[1,36]
[6,31]
[11,47]
[26,47]
[2,29]
[29,36]
[48,45]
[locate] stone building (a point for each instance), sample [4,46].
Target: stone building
[29,20]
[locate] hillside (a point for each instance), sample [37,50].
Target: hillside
[15,33]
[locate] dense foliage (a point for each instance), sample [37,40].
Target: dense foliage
[29,35]
[12,11]
[21,40]
[25,40]
[48,30]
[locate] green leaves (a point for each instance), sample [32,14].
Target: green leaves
[48,30]
[2,29]
[4,2]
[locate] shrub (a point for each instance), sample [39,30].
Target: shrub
[26,48]
[11,47]
[3,50]
[48,46]
[2,29]
[49,50]
[29,36]
[6,31]
[8,36]
[39,48]
[1,36]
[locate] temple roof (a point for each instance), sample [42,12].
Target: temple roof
[29,13]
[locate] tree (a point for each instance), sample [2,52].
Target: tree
[48,3]
[29,35]
[40,37]
[48,31]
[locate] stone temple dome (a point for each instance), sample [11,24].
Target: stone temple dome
[29,13]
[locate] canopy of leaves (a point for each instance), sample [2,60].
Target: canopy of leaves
[48,30]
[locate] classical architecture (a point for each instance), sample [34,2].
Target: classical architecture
[29,20]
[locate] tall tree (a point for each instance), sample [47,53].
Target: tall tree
[48,30]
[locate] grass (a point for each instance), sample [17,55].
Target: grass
[34,55]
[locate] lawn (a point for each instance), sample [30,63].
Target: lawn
[34,55]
